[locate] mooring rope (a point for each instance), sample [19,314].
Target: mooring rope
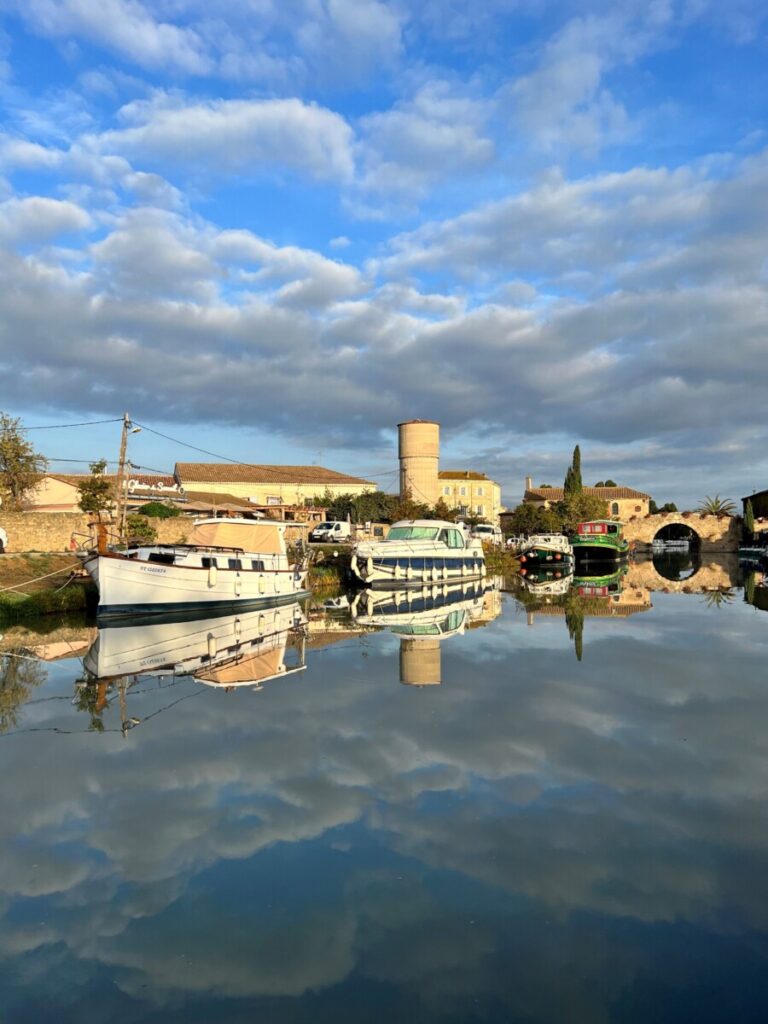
[74,565]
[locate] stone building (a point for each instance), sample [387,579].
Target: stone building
[623,502]
[268,485]
[472,493]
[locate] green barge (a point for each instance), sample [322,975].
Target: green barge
[599,541]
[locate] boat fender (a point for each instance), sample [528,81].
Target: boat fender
[409,573]
[523,558]
[238,585]
[435,572]
[213,575]
[353,563]
[212,646]
[238,630]
[397,572]
[558,556]
[261,585]
[483,570]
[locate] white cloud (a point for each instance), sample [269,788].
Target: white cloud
[37,219]
[237,136]
[124,26]
[435,135]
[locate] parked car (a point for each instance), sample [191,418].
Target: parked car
[3,540]
[488,533]
[331,532]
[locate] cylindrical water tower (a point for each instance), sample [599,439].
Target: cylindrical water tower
[419,454]
[420,662]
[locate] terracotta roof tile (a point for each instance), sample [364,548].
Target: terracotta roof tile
[222,472]
[608,493]
[461,474]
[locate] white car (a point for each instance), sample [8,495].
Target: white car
[331,532]
[488,533]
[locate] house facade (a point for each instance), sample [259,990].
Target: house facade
[623,502]
[471,492]
[58,492]
[268,485]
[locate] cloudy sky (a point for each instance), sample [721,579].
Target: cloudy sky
[274,229]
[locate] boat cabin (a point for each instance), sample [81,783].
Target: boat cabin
[426,530]
[601,527]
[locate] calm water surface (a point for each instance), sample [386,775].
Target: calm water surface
[525,837]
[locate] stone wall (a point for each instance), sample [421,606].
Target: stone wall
[54,531]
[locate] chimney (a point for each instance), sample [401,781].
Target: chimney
[528,483]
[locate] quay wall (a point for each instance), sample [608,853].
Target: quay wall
[59,531]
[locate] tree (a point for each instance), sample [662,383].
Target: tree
[580,508]
[20,465]
[573,484]
[139,530]
[529,518]
[654,509]
[749,519]
[96,493]
[158,510]
[716,506]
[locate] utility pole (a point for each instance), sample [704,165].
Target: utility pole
[122,501]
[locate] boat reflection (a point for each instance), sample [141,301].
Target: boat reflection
[424,619]
[225,651]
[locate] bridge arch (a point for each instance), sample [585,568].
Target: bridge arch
[715,533]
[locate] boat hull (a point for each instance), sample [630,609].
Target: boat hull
[383,572]
[596,551]
[130,588]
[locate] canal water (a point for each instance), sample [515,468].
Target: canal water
[523,806]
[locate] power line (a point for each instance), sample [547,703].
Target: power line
[84,423]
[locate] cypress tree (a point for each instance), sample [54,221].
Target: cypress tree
[573,483]
[749,519]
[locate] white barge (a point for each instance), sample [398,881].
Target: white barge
[418,552]
[225,565]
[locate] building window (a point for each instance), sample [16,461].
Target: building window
[615,508]
[481,510]
[463,491]
[480,492]
[446,491]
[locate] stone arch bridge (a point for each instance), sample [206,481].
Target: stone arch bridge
[715,533]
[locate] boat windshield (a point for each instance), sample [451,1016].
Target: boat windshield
[412,533]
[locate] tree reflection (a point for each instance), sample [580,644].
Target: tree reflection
[19,676]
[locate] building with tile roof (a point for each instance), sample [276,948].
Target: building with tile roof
[472,492]
[623,502]
[268,485]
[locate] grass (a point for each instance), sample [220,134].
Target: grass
[33,596]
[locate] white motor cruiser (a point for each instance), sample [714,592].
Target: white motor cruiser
[418,552]
[226,564]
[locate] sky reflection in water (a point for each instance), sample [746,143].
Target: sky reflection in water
[535,839]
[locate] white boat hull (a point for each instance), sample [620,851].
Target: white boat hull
[416,565]
[187,646]
[134,587]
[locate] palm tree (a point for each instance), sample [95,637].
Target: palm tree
[718,598]
[716,506]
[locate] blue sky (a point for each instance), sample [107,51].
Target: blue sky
[275,229]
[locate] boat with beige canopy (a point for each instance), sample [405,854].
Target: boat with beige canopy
[225,564]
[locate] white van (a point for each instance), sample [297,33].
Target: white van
[331,532]
[488,533]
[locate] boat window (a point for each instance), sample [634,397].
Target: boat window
[412,533]
[455,540]
[430,629]
[208,562]
[258,566]
[234,563]
[165,558]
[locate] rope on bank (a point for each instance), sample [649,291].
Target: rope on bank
[26,583]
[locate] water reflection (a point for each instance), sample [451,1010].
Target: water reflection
[536,840]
